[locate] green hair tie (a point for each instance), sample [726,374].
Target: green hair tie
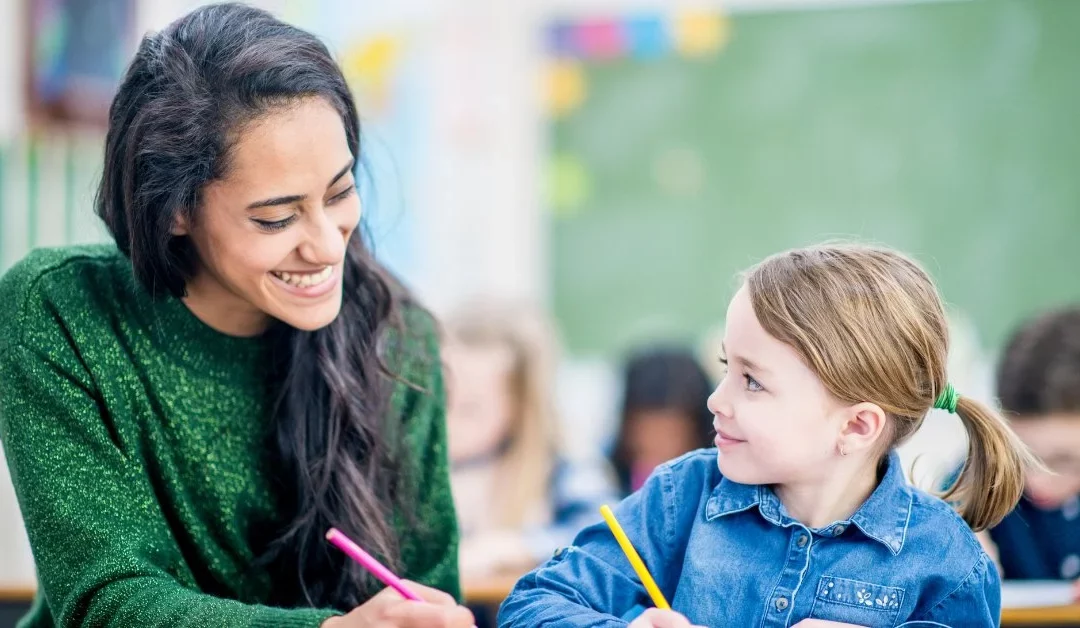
[947,399]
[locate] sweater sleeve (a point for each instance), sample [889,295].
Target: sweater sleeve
[430,542]
[105,555]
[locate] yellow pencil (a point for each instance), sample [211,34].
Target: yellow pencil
[635,560]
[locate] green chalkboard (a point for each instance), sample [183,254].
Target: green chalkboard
[948,129]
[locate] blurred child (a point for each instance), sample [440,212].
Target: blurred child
[517,497]
[663,413]
[802,513]
[1038,383]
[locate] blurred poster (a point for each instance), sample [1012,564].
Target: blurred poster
[78,52]
[386,55]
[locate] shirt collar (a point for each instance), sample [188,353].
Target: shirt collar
[883,516]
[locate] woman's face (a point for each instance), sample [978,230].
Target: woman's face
[271,235]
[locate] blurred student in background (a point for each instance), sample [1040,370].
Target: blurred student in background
[663,413]
[1038,383]
[518,497]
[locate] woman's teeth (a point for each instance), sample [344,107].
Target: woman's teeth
[305,280]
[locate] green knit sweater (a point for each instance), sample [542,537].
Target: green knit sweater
[135,438]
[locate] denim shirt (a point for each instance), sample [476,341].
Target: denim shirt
[728,554]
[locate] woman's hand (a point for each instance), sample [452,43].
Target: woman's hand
[656,618]
[1076,591]
[388,609]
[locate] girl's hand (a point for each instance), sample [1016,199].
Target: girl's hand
[656,618]
[388,609]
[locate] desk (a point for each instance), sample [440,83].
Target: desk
[16,595]
[1049,616]
[483,591]
[491,592]
[15,600]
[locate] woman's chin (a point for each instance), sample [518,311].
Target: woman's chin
[310,318]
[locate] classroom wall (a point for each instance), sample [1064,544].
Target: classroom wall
[476,207]
[480,227]
[10,62]
[16,566]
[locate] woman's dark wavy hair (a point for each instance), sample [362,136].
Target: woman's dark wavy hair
[186,97]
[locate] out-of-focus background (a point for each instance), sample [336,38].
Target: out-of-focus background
[609,165]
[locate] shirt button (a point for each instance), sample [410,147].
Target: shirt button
[838,530]
[802,540]
[1070,567]
[557,553]
[781,603]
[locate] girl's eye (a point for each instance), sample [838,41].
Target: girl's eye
[752,384]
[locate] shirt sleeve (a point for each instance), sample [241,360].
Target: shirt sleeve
[105,555]
[975,602]
[591,583]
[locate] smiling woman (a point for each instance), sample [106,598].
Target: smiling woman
[187,412]
[271,238]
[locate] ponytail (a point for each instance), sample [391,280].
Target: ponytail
[992,479]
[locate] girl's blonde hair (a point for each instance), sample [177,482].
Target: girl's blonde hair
[869,322]
[529,460]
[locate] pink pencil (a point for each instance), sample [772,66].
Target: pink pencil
[367,561]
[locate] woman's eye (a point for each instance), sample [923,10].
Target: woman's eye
[340,196]
[274,225]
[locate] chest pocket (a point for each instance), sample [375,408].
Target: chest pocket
[855,602]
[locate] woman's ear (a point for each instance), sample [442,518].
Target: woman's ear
[180,225]
[864,426]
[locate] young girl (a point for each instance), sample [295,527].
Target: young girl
[802,512]
[516,496]
[663,413]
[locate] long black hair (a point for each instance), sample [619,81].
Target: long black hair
[188,92]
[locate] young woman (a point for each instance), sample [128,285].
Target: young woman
[186,412]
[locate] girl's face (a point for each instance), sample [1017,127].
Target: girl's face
[271,236]
[480,399]
[1055,439]
[775,421]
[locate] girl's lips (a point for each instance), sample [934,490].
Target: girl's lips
[724,440]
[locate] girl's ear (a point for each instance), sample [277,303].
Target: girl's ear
[863,428]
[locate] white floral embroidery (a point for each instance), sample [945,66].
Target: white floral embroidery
[873,596]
